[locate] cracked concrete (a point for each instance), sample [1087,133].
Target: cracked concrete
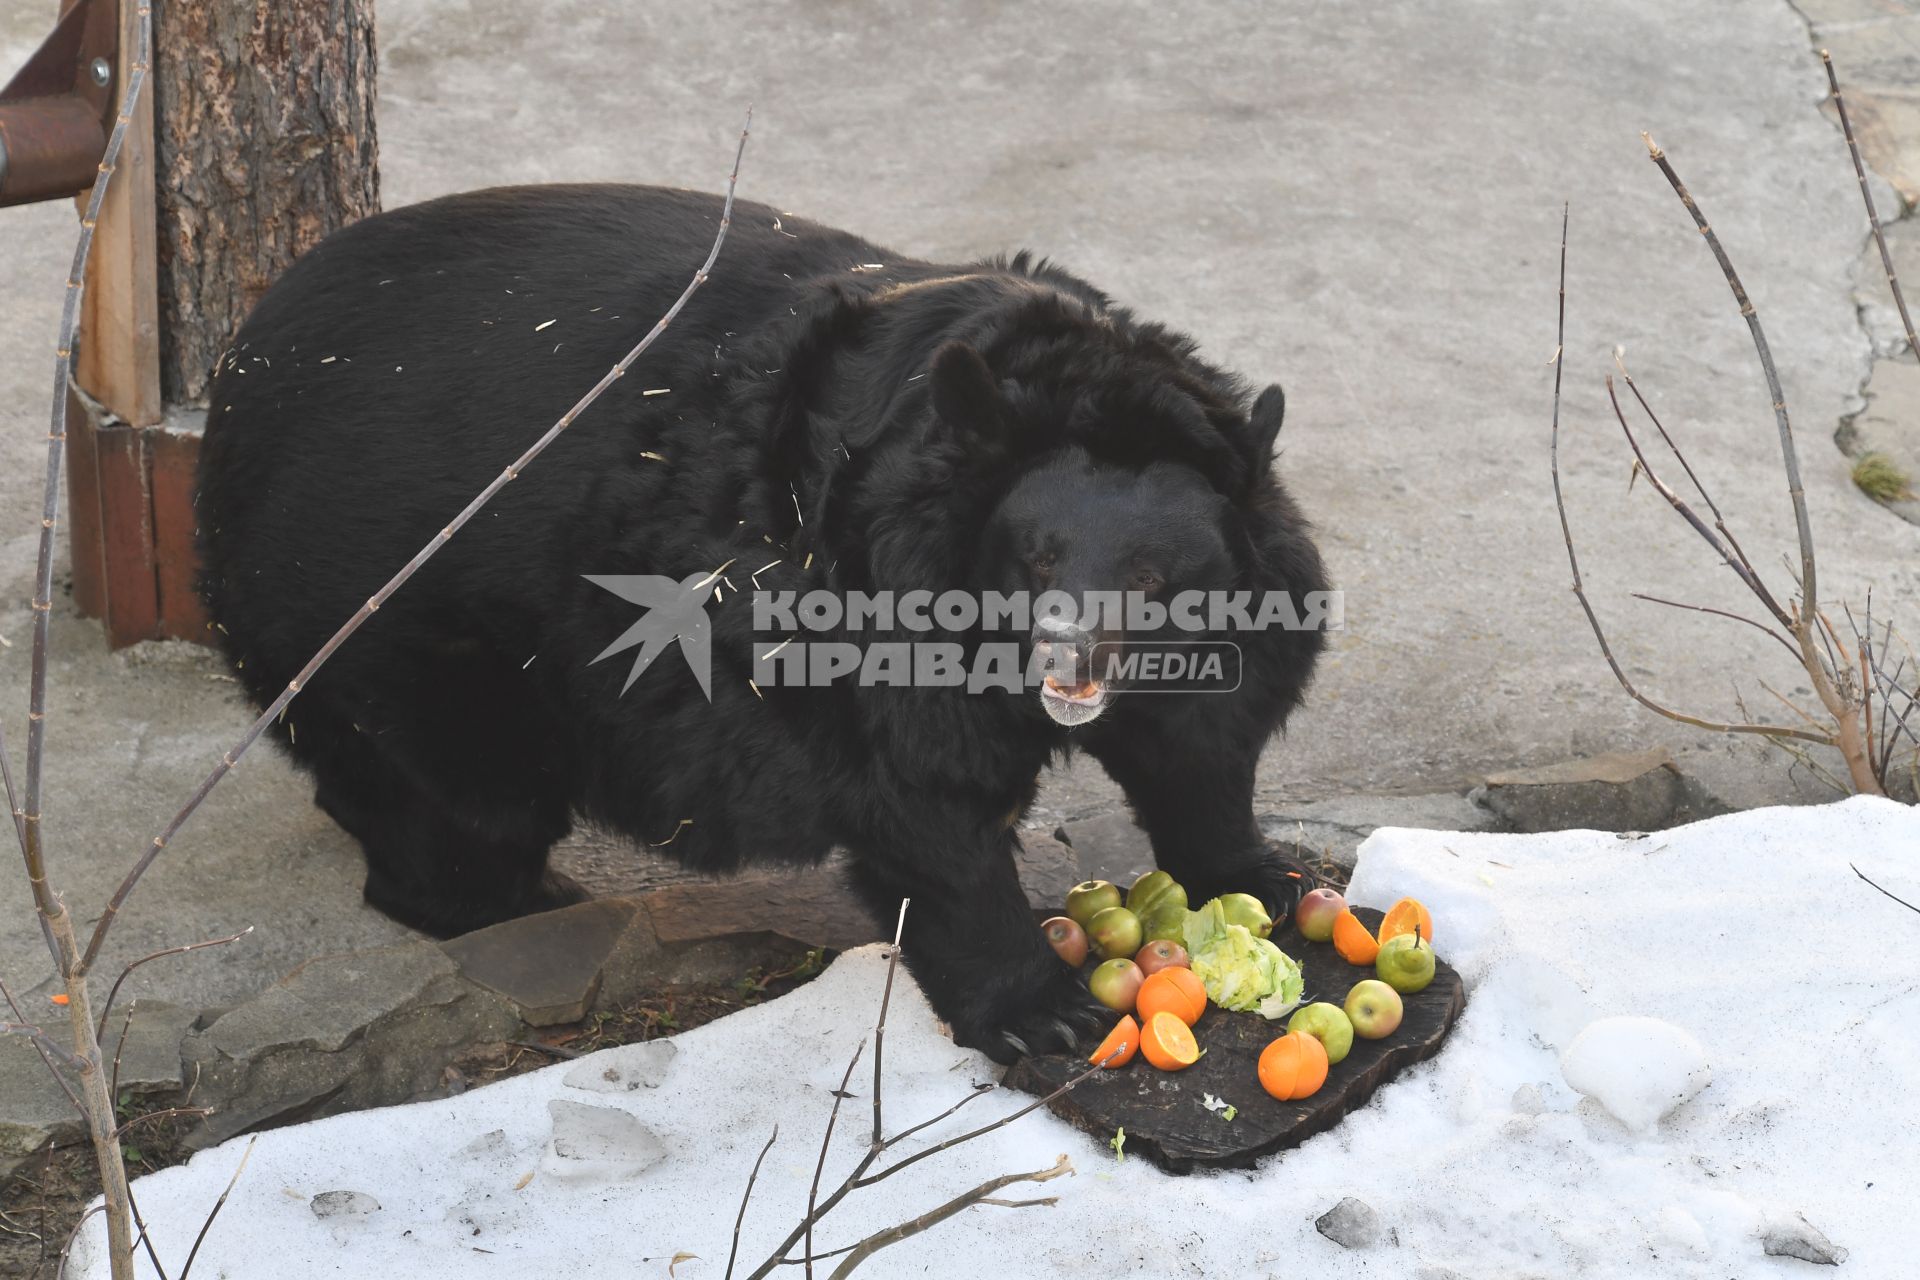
[1361,201]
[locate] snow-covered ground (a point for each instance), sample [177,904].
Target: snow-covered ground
[1748,934]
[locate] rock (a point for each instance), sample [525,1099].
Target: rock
[600,1144]
[1335,828]
[624,1069]
[1351,1224]
[547,966]
[1638,1069]
[1795,1237]
[344,1205]
[1615,791]
[812,906]
[150,1062]
[340,1033]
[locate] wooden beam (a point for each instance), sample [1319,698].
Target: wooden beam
[118,362]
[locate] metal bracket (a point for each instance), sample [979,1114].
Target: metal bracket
[56,112]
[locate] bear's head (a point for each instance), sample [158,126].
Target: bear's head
[1124,490]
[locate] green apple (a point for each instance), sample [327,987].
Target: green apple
[1116,932]
[1245,909]
[1405,963]
[1317,912]
[1089,898]
[1116,984]
[1161,904]
[1374,1009]
[1327,1023]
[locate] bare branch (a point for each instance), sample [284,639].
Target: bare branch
[114,990]
[367,610]
[46,1043]
[1762,627]
[880,1027]
[933,1217]
[826,1141]
[747,1195]
[1866,198]
[1902,901]
[41,1050]
[217,1206]
[1790,457]
[1751,576]
[1573,559]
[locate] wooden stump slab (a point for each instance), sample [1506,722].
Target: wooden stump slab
[1163,1114]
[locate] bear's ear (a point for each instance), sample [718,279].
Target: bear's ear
[1263,422]
[966,395]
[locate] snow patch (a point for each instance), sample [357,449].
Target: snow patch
[1742,932]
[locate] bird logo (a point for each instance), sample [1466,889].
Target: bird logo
[675,611]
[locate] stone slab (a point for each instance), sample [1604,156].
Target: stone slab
[547,966]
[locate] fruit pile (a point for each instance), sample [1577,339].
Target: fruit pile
[1160,964]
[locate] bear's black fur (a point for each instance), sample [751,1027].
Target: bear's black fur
[864,421]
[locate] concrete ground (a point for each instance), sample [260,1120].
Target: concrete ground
[1360,201]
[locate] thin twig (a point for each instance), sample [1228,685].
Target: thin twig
[880,1027]
[741,1217]
[44,1055]
[1789,455]
[1902,901]
[1573,559]
[217,1206]
[1752,576]
[367,610]
[826,1141]
[114,990]
[46,1042]
[162,1115]
[1866,198]
[73,1235]
[933,1217]
[1762,627]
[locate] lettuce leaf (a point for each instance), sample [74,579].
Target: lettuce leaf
[1239,971]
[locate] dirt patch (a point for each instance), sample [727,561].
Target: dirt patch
[42,1203]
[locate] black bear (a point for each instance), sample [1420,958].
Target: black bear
[824,417]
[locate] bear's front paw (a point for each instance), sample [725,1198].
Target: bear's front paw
[1051,1012]
[1276,879]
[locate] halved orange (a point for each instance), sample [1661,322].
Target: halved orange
[1405,916]
[1293,1067]
[1352,941]
[1178,991]
[1168,1043]
[1124,1037]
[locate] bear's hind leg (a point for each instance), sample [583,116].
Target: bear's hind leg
[442,865]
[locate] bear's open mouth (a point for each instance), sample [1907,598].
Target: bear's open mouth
[1071,705]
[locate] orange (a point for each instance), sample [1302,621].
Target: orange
[1352,941]
[1168,1043]
[1405,916]
[1293,1067]
[1178,991]
[1125,1037]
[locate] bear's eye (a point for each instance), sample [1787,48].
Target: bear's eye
[1042,561]
[1146,579]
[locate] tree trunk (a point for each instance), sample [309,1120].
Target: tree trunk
[265,127]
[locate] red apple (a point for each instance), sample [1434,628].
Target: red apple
[1068,940]
[1161,954]
[1317,912]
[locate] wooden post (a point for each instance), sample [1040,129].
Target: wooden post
[256,141]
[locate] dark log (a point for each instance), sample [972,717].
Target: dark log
[1163,1114]
[266,144]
